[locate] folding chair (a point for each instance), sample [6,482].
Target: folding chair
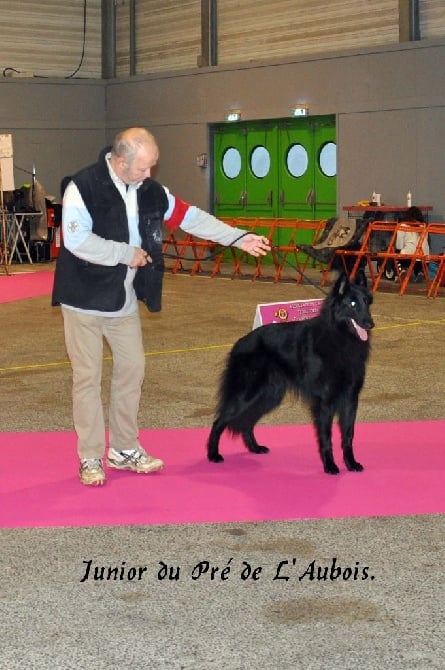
[347,244]
[392,254]
[179,246]
[267,228]
[239,257]
[219,258]
[439,279]
[351,259]
[436,238]
[306,231]
[202,251]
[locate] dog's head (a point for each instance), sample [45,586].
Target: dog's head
[350,302]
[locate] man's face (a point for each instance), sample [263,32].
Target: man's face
[141,166]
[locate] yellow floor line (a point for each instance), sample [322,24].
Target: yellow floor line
[207,347]
[411,323]
[37,366]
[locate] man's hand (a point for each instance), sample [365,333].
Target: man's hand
[256,245]
[140,258]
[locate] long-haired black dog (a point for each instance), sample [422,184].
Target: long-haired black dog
[322,360]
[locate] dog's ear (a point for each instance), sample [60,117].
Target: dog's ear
[341,285]
[360,278]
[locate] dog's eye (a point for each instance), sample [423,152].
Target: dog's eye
[353,303]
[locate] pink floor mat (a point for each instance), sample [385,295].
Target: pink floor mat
[404,473]
[25,285]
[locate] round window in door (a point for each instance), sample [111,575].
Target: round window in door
[327,159]
[231,163]
[297,160]
[260,162]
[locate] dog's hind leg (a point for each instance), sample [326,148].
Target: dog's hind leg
[252,444]
[264,401]
[323,418]
[346,420]
[213,442]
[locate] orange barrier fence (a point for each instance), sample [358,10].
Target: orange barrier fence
[376,251]
[189,254]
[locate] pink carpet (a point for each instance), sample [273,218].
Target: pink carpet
[404,474]
[25,285]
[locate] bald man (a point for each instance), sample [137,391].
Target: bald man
[111,257]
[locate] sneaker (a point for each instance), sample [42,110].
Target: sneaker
[91,472]
[136,460]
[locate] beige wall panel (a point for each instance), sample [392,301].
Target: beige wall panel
[262,30]
[168,35]
[432,18]
[46,38]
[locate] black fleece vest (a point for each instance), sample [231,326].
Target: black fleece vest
[98,287]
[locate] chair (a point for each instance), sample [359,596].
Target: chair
[354,257]
[267,228]
[202,250]
[179,248]
[392,254]
[436,238]
[299,228]
[240,258]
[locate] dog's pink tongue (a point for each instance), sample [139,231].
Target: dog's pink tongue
[361,332]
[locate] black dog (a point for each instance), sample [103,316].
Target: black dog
[322,359]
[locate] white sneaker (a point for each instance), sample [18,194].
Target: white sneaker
[136,460]
[91,472]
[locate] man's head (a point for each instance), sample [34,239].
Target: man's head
[134,154]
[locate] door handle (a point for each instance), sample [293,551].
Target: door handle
[310,197]
[282,201]
[243,198]
[217,198]
[270,198]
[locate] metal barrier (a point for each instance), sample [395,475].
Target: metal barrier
[194,255]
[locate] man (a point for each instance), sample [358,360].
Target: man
[111,257]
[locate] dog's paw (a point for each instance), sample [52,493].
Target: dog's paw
[354,466]
[260,449]
[216,458]
[331,468]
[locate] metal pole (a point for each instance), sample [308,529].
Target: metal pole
[414,20]
[209,33]
[213,29]
[132,38]
[108,39]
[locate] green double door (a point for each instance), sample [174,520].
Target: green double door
[280,169]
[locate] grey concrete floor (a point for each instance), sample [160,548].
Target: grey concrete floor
[394,618]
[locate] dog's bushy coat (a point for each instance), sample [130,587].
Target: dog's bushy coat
[322,360]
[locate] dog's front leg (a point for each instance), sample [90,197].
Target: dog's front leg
[346,420]
[323,419]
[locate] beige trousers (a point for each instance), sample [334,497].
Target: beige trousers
[84,335]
